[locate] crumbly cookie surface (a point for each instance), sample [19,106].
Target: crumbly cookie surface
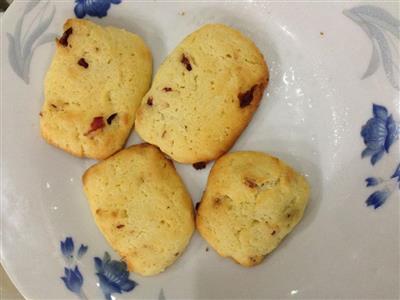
[251,202]
[203,95]
[95,83]
[142,207]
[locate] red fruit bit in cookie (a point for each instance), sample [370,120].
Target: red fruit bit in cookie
[250,183]
[64,39]
[167,89]
[199,165]
[246,98]
[82,62]
[97,123]
[186,62]
[150,101]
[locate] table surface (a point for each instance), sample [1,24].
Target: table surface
[7,288]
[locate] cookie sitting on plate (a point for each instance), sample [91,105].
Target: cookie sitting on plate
[203,95]
[142,207]
[252,201]
[93,87]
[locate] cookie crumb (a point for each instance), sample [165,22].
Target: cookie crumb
[207,249]
[321,33]
[182,13]
[200,165]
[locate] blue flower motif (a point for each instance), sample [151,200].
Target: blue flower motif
[82,250]
[67,248]
[379,133]
[113,276]
[93,8]
[396,174]
[377,198]
[372,181]
[73,280]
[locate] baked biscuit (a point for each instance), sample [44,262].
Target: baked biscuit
[141,206]
[252,201]
[203,95]
[93,88]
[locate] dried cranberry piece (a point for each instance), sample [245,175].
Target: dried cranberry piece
[150,101]
[186,62]
[246,98]
[167,89]
[111,118]
[64,39]
[250,183]
[82,62]
[200,165]
[97,123]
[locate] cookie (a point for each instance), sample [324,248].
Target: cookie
[252,201]
[142,207]
[203,95]
[95,84]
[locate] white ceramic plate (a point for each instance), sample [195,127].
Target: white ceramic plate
[333,95]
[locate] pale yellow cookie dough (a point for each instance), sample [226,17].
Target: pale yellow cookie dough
[93,88]
[252,201]
[141,206]
[203,95]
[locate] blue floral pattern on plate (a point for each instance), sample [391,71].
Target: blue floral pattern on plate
[23,43]
[379,197]
[379,133]
[113,276]
[93,8]
[73,278]
[380,26]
